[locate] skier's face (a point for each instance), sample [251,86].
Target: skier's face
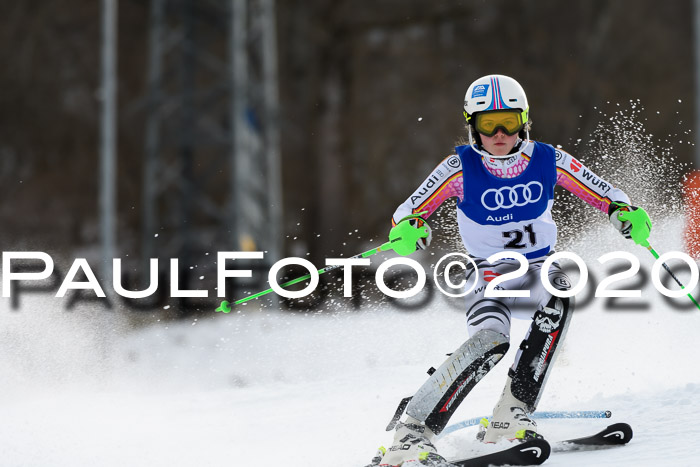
[500,144]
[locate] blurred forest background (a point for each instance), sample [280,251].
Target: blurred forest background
[371,100]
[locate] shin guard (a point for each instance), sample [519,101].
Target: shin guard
[441,394]
[539,349]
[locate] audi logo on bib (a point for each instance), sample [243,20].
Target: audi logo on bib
[511,196]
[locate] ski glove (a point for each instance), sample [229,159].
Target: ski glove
[631,221]
[410,234]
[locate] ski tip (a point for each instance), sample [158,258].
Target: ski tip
[539,450]
[534,451]
[618,433]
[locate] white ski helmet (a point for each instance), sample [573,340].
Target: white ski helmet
[495,92]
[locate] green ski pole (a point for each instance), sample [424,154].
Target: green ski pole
[656,255]
[225,306]
[402,241]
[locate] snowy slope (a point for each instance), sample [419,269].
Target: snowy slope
[266,388]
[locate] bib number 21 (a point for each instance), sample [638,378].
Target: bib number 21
[520,238]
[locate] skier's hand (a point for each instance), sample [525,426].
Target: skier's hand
[423,242]
[631,221]
[410,234]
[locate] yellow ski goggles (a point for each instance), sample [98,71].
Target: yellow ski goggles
[488,123]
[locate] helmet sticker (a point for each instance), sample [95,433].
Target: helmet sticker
[480,90]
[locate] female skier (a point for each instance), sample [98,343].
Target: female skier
[504,183]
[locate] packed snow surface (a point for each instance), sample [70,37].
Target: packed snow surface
[274,388]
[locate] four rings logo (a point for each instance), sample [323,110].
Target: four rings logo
[511,196]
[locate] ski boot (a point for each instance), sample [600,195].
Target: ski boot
[510,420]
[412,447]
